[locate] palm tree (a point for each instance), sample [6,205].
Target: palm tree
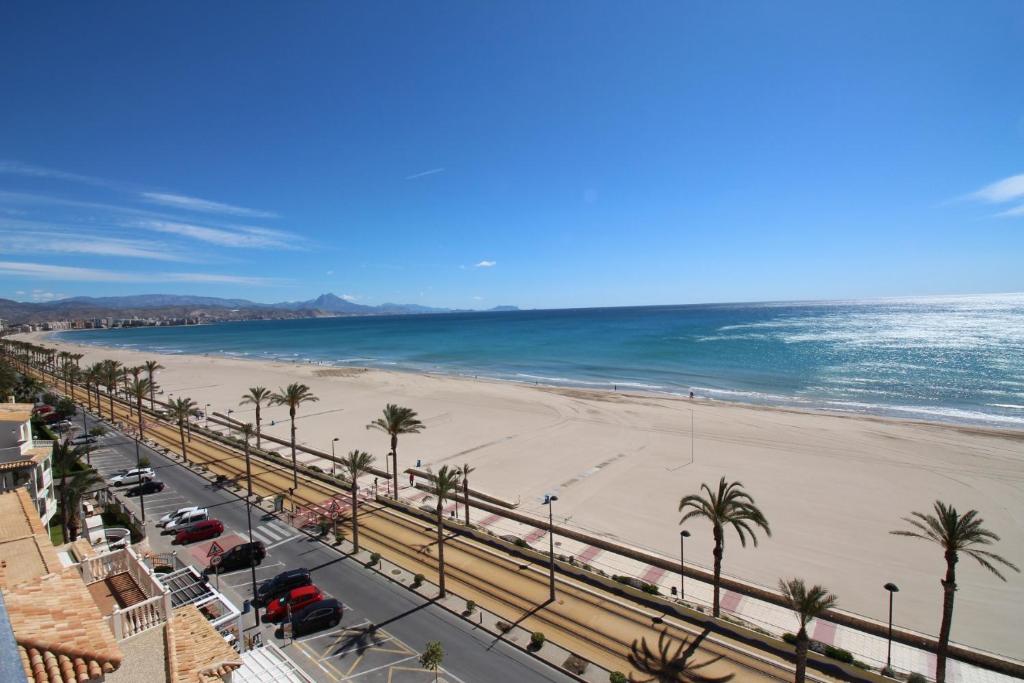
[151,366]
[180,410]
[666,665]
[80,483]
[257,396]
[293,396]
[139,389]
[111,376]
[807,605]
[955,534]
[446,484]
[466,471]
[728,506]
[355,464]
[63,460]
[397,420]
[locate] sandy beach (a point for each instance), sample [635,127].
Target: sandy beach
[831,486]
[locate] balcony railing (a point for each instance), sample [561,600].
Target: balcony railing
[129,621]
[139,617]
[37,443]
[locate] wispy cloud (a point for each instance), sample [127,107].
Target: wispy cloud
[424,174]
[1012,213]
[485,264]
[74,274]
[179,201]
[238,236]
[348,297]
[78,243]
[18,168]
[42,295]
[1005,190]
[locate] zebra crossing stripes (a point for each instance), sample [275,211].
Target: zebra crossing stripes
[272,532]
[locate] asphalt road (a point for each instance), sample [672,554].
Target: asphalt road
[385,626]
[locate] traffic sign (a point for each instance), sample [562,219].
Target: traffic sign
[215,560]
[215,550]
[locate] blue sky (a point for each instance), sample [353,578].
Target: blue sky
[541,154]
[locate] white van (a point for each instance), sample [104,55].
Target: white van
[182,521]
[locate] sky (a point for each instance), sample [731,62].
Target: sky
[539,154]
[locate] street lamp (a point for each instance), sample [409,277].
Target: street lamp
[247,432]
[231,429]
[334,464]
[207,415]
[893,589]
[550,502]
[684,534]
[138,478]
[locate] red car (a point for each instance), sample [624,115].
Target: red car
[200,531]
[297,599]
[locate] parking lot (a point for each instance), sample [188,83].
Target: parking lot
[354,649]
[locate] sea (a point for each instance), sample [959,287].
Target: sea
[956,359]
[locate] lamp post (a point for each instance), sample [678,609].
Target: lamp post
[893,589]
[334,465]
[246,432]
[231,427]
[550,502]
[683,535]
[138,478]
[207,413]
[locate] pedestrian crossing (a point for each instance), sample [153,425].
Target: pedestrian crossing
[273,532]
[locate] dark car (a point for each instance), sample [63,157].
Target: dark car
[324,614]
[281,584]
[242,555]
[146,487]
[199,531]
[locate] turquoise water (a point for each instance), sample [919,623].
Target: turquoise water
[958,359]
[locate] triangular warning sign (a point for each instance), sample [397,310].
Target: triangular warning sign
[215,549]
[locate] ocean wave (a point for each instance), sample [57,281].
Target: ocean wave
[1012,406]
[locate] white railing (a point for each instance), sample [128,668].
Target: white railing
[140,617]
[103,566]
[37,443]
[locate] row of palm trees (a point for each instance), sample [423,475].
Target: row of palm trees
[730,506]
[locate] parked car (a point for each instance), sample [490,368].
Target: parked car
[323,614]
[296,599]
[279,585]
[242,555]
[199,531]
[151,486]
[177,513]
[176,525]
[134,476]
[83,440]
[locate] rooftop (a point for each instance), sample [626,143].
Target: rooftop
[15,412]
[24,543]
[196,651]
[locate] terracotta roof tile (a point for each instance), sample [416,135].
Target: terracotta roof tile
[16,412]
[196,652]
[24,543]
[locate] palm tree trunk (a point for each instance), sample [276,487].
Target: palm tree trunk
[152,391]
[802,642]
[110,395]
[295,464]
[258,444]
[181,432]
[948,594]
[465,492]
[355,522]
[394,462]
[440,547]
[719,550]
[139,400]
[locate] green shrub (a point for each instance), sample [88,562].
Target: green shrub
[789,638]
[839,654]
[418,580]
[916,678]
[617,677]
[470,606]
[374,559]
[650,589]
[504,626]
[576,665]
[536,640]
[521,543]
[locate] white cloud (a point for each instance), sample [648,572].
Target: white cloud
[423,174]
[18,168]
[1010,213]
[239,236]
[40,295]
[20,292]
[1003,190]
[330,272]
[17,241]
[74,274]
[348,297]
[179,201]
[478,298]
[486,264]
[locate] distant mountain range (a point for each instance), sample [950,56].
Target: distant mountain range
[175,305]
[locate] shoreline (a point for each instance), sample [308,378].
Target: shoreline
[833,485]
[876,413]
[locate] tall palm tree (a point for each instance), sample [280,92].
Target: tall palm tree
[955,534]
[96,371]
[397,420]
[139,389]
[111,376]
[729,506]
[356,463]
[466,471]
[446,484]
[807,605]
[77,486]
[293,396]
[151,366]
[668,665]
[180,411]
[63,460]
[257,396]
